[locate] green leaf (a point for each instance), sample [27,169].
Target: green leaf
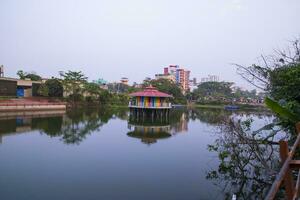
[281,111]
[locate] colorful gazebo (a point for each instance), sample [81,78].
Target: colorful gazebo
[149,101]
[150,98]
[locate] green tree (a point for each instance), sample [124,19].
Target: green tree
[214,90]
[278,74]
[73,83]
[285,83]
[55,87]
[104,97]
[43,90]
[169,87]
[93,90]
[33,77]
[25,75]
[21,74]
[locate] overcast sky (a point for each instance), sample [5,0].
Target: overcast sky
[135,38]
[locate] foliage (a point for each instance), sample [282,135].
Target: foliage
[73,83]
[25,75]
[245,93]
[104,97]
[55,87]
[43,90]
[21,74]
[261,75]
[33,77]
[92,90]
[282,111]
[279,76]
[213,91]
[246,159]
[285,83]
[169,87]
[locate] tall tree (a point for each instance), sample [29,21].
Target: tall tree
[73,83]
[25,75]
[21,74]
[55,87]
[214,90]
[169,87]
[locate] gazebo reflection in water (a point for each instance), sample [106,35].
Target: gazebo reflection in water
[149,131]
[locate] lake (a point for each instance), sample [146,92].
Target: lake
[101,153]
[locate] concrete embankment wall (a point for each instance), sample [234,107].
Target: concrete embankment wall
[32,107]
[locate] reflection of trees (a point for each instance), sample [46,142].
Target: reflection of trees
[49,125]
[215,116]
[78,123]
[72,127]
[247,159]
[210,116]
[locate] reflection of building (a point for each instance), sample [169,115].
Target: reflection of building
[12,123]
[150,130]
[181,125]
[149,134]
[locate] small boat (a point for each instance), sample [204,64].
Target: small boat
[231,107]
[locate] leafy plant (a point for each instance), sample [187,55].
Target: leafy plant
[281,111]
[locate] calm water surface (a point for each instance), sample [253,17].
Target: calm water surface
[102,154]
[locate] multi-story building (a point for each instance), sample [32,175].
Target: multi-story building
[177,75]
[194,82]
[183,79]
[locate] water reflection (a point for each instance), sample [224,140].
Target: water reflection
[72,127]
[244,161]
[247,159]
[151,130]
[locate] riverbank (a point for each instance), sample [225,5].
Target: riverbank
[222,106]
[12,105]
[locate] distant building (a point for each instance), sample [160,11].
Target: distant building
[147,79]
[137,85]
[1,71]
[124,80]
[102,83]
[194,82]
[166,76]
[210,78]
[178,75]
[183,79]
[18,88]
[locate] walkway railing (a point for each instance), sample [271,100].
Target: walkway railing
[285,175]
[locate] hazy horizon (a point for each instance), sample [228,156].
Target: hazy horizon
[136,39]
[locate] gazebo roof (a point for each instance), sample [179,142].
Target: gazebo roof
[150,92]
